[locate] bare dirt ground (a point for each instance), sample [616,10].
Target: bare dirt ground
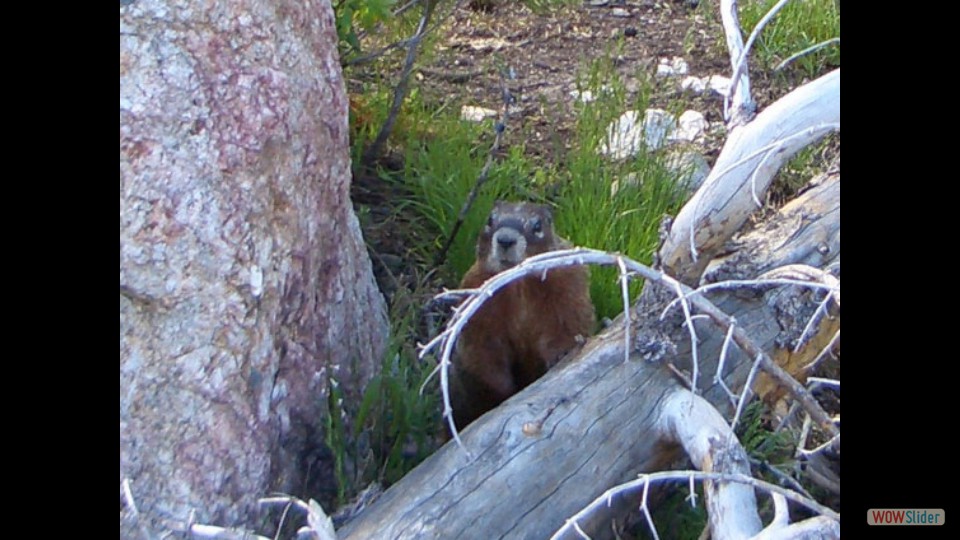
[547,52]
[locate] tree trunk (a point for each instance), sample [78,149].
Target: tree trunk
[597,421]
[245,285]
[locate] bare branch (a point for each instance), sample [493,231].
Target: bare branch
[817,381]
[743,107]
[823,353]
[625,293]
[500,128]
[693,332]
[128,497]
[745,394]
[741,63]
[539,264]
[644,479]
[746,165]
[718,376]
[809,50]
[400,93]
[814,320]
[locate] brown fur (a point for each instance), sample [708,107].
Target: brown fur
[527,326]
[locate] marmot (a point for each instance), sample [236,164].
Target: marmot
[527,326]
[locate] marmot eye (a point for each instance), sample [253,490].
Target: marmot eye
[490,222]
[537,226]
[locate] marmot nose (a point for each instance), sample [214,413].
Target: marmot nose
[506,242]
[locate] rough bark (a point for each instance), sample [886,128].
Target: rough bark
[596,420]
[245,286]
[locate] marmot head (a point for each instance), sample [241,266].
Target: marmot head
[515,231]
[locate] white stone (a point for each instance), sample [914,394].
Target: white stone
[691,167]
[657,124]
[719,84]
[583,97]
[588,96]
[672,67]
[626,136]
[619,12]
[476,114]
[693,84]
[690,126]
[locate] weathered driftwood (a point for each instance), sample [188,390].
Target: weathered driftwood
[597,420]
[743,171]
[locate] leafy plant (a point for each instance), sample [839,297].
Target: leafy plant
[352,15]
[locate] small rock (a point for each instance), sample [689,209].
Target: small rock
[630,31]
[672,67]
[476,114]
[719,84]
[583,97]
[599,3]
[691,167]
[690,126]
[657,124]
[626,136]
[619,12]
[588,96]
[693,84]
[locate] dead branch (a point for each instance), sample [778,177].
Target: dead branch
[557,259]
[400,93]
[747,164]
[740,65]
[500,128]
[742,107]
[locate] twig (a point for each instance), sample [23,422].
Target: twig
[815,318]
[128,497]
[403,42]
[718,376]
[808,50]
[827,349]
[400,93]
[745,394]
[645,479]
[485,171]
[646,511]
[283,518]
[821,381]
[783,477]
[829,445]
[739,88]
[781,516]
[693,333]
[742,61]
[625,293]
[539,264]
[804,433]
[212,532]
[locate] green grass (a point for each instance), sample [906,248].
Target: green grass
[442,155]
[797,26]
[395,426]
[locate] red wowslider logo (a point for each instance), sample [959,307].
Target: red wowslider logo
[901,516]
